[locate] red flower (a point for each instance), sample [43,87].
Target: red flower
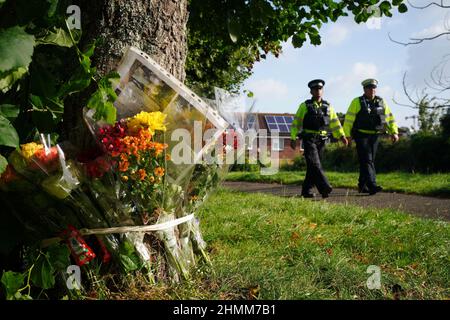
[9,174]
[48,161]
[97,167]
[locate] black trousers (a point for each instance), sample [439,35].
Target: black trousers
[314,147]
[366,146]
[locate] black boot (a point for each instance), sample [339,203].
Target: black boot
[363,189]
[375,190]
[326,192]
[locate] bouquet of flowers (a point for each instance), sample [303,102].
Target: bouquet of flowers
[149,170]
[138,189]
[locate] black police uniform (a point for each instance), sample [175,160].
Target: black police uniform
[370,117]
[315,120]
[314,146]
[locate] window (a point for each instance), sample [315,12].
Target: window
[277,144]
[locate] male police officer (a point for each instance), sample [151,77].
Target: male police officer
[366,118]
[312,119]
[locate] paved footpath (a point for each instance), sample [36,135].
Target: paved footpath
[427,207]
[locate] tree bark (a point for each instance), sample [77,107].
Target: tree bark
[157,27]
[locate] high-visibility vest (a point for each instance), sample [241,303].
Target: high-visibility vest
[371,116]
[316,118]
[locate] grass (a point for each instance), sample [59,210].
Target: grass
[437,184]
[270,247]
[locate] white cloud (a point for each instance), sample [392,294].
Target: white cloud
[364,70]
[386,92]
[348,85]
[268,88]
[434,30]
[359,72]
[336,34]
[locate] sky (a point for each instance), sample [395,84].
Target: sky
[350,53]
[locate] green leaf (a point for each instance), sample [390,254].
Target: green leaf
[80,80]
[9,111]
[298,39]
[104,109]
[57,37]
[102,100]
[1,3]
[128,258]
[128,264]
[42,273]
[46,113]
[20,296]
[315,39]
[3,164]
[8,78]
[59,255]
[261,10]
[16,48]
[8,134]
[53,6]
[249,93]
[385,6]
[12,282]
[402,8]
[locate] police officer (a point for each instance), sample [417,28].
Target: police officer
[313,118]
[367,117]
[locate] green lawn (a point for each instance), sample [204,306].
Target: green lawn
[437,184]
[290,248]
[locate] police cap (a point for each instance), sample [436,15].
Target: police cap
[371,83]
[316,83]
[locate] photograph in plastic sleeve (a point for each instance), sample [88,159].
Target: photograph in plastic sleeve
[146,86]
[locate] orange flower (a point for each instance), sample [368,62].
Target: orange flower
[168,157]
[123,166]
[142,174]
[159,172]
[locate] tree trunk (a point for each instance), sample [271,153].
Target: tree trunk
[157,27]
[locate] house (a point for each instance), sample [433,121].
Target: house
[270,122]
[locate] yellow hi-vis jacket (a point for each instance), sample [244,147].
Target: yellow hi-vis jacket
[297,124]
[355,107]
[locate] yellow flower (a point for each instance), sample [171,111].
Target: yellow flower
[148,120]
[29,149]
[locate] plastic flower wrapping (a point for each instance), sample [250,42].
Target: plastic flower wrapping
[130,201]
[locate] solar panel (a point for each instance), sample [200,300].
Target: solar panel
[270,119]
[251,120]
[280,123]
